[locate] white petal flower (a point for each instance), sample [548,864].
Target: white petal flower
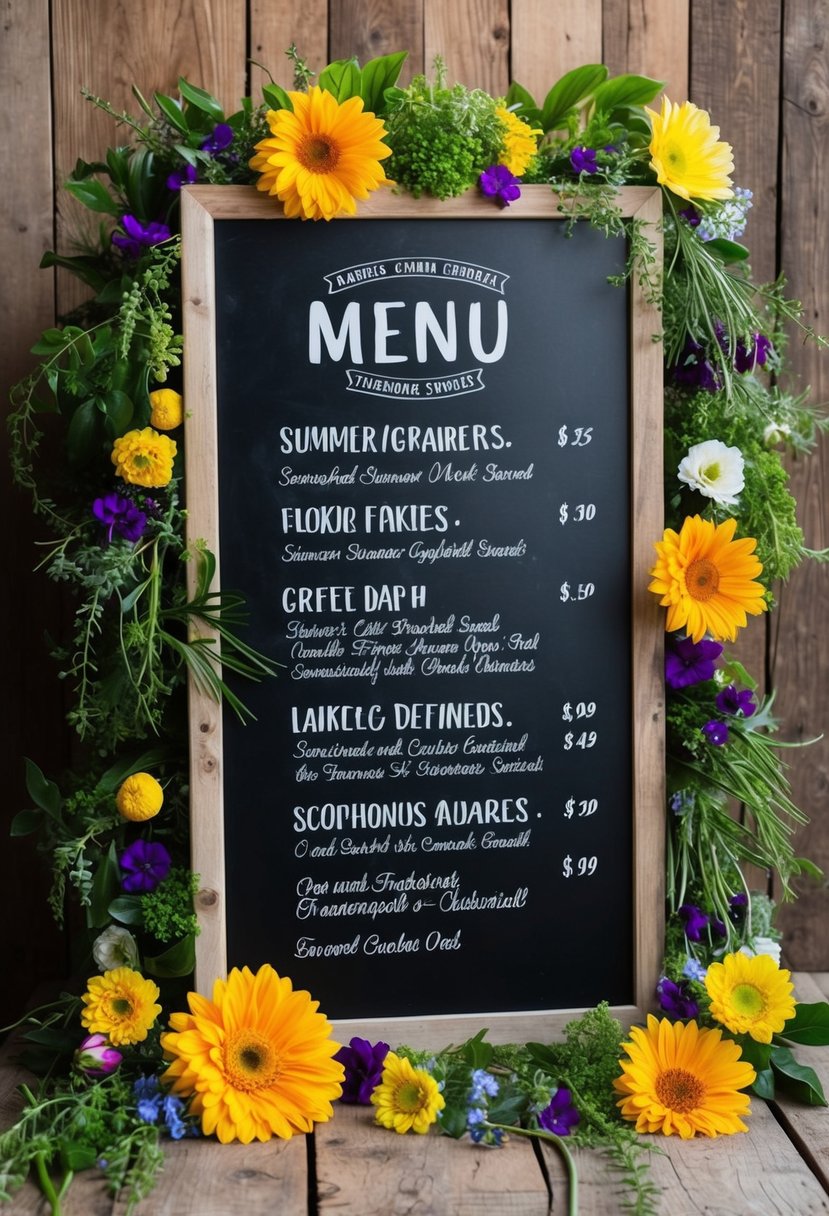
[763,945]
[116,947]
[715,470]
[776,432]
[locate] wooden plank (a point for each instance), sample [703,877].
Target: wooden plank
[273,27]
[800,657]
[651,37]
[377,28]
[808,1126]
[473,38]
[364,1170]
[550,39]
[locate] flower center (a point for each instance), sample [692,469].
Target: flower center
[140,461]
[121,1007]
[748,1000]
[318,154]
[712,473]
[250,1060]
[702,578]
[676,158]
[679,1090]
[409,1098]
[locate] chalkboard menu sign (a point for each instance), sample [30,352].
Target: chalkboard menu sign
[425,444]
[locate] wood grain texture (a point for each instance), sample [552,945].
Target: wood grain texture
[273,27]
[366,28]
[799,654]
[550,39]
[473,36]
[808,1126]
[652,38]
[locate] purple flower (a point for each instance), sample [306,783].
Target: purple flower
[560,1116]
[363,1065]
[694,921]
[717,927]
[688,662]
[676,999]
[182,177]
[583,160]
[694,369]
[95,1057]
[139,236]
[221,138]
[147,863]
[730,701]
[737,906]
[690,215]
[120,516]
[755,355]
[497,182]
[682,801]
[715,732]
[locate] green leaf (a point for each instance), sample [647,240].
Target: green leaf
[810,1024]
[341,78]
[276,97]
[729,251]
[94,195]
[543,1058]
[172,112]
[117,165]
[126,909]
[119,411]
[43,792]
[201,100]
[477,1052]
[520,99]
[798,1080]
[573,87]
[453,1121]
[25,822]
[627,90]
[76,1156]
[763,1085]
[83,432]
[140,187]
[105,887]
[179,960]
[758,1055]
[145,762]
[378,75]
[83,266]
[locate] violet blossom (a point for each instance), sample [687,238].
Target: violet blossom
[732,701]
[694,921]
[363,1063]
[220,139]
[182,177]
[716,732]
[560,1116]
[120,516]
[137,236]
[694,369]
[676,999]
[583,160]
[147,863]
[746,358]
[497,182]
[688,662]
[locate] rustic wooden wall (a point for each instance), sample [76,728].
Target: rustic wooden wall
[760,66]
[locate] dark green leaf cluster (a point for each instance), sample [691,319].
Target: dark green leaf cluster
[167,912]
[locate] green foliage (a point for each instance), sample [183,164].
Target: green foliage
[167,912]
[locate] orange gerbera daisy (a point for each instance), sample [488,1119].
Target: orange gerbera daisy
[706,579]
[322,155]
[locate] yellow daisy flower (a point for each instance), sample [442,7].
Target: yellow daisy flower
[706,579]
[120,1004]
[687,154]
[520,144]
[322,155]
[407,1098]
[139,797]
[144,458]
[750,995]
[679,1079]
[257,1058]
[167,409]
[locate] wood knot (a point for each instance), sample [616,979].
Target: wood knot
[207,898]
[204,727]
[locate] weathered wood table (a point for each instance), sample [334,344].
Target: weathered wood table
[351,1168]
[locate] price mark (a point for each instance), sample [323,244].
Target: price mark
[582,709]
[584,867]
[582,512]
[579,437]
[577,593]
[585,740]
[581,808]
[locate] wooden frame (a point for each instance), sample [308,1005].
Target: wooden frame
[201,208]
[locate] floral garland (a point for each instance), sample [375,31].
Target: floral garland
[257,1060]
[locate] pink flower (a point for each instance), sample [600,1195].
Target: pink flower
[96,1058]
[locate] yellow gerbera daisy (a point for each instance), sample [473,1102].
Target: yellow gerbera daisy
[257,1058]
[407,1098]
[687,154]
[750,995]
[706,579]
[120,1004]
[520,144]
[144,458]
[322,155]
[679,1079]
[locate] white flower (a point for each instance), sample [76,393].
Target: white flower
[776,432]
[763,945]
[116,947]
[715,470]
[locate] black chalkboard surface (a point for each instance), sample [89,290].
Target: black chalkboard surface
[423,459]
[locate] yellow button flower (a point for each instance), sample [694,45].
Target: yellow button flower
[167,409]
[139,797]
[144,458]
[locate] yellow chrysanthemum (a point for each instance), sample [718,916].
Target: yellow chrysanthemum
[706,579]
[139,797]
[322,155]
[120,1004]
[144,458]
[520,144]
[750,995]
[407,1098]
[167,409]
[257,1058]
[687,154]
[679,1079]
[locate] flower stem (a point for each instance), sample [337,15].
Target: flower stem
[569,1162]
[46,1184]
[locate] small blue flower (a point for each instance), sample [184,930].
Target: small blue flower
[694,970]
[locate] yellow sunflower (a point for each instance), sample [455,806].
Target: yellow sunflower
[706,579]
[520,144]
[679,1079]
[322,155]
[407,1098]
[120,1004]
[687,154]
[144,458]
[750,995]
[257,1058]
